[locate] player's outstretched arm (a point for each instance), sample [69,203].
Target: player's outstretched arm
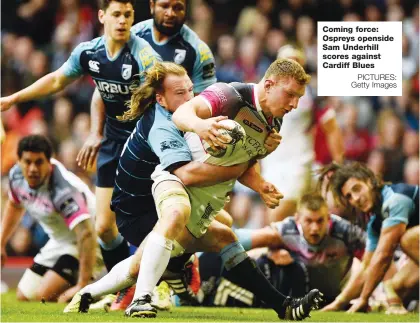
[201,174]
[259,238]
[86,242]
[11,219]
[87,154]
[47,85]
[381,260]
[195,116]
[353,287]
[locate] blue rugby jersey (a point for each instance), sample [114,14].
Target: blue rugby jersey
[155,140]
[112,76]
[186,49]
[399,204]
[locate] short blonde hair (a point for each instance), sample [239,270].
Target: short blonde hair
[285,67]
[144,95]
[312,201]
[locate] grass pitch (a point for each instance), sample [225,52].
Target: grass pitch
[13,311]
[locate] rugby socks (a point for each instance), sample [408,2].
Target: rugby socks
[245,238]
[155,259]
[114,251]
[249,276]
[118,278]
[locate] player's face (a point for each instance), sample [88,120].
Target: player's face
[168,15]
[314,224]
[359,194]
[177,90]
[282,95]
[117,19]
[35,167]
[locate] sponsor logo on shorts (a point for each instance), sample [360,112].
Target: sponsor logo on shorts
[253,126]
[208,211]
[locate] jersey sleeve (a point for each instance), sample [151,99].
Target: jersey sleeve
[397,210]
[12,195]
[168,144]
[145,55]
[204,71]
[356,240]
[140,27]
[68,201]
[221,99]
[372,236]
[72,67]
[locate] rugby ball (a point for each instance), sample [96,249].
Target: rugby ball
[236,137]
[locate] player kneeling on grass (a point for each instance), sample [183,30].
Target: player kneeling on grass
[63,204]
[321,245]
[394,220]
[201,231]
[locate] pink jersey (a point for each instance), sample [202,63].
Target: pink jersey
[58,205]
[330,261]
[239,102]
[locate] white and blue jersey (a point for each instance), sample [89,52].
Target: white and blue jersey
[156,140]
[186,49]
[399,204]
[112,76]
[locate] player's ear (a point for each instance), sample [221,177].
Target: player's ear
[160,99]
[152,5]
[101,15]
[268,84]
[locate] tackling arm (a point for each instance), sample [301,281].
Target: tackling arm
[201,174]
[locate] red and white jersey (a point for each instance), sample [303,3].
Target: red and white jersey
[62,202]
[239,102]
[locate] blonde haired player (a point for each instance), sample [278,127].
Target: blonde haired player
[172,201]
[289,167]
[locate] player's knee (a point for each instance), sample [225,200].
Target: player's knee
[105,230]
[28,286]
[20,296]
[225,218]
[225,237]
[409,240]
[174,203]
[176,217]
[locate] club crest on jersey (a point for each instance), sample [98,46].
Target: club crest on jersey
[126,71]
[94,66]
[180,55]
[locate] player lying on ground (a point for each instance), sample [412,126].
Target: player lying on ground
[63,205]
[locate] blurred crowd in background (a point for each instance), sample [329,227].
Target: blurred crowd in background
[245,35]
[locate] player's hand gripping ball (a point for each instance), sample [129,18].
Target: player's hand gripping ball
[236,136]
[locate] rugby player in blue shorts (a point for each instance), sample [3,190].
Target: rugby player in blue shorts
[114,61]
[175,42]
[394,220]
